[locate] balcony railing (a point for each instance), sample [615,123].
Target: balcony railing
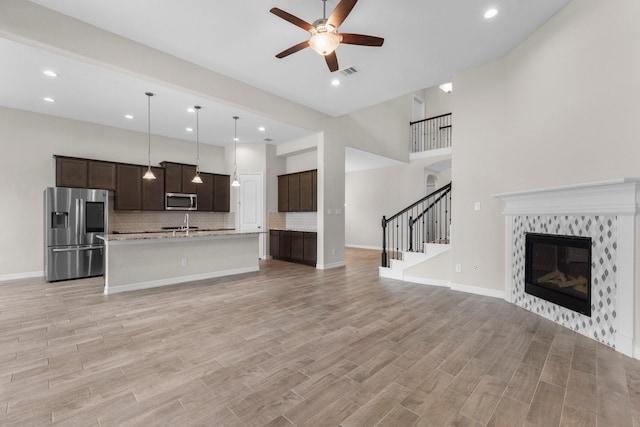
[430,134]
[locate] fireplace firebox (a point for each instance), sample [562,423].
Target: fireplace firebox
[558,269]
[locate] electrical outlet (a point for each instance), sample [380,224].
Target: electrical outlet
[333,251]
[183,262]
[458,268]
[476,266]
[476,206]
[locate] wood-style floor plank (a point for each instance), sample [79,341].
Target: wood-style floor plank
[292,346]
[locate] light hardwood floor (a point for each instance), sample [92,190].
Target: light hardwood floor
[295,346]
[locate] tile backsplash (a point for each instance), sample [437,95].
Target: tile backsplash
[302,221]
[125,221]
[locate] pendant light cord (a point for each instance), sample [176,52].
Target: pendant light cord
[197,107]
[149,95]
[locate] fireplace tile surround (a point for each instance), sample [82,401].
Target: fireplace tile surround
[605,211]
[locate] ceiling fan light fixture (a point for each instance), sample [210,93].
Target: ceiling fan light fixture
[324,39]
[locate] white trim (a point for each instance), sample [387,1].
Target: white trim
[478,290]
[446,151]
[330,266]
[18,276]
[374,248]
[626,296]
[636,353]
[613,197]
[177,280]
[508,264]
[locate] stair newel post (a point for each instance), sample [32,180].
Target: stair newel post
[384,241]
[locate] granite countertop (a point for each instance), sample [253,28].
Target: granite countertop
[146,235]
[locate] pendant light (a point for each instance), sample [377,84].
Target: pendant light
[235,182]
[149,174]
[196,179]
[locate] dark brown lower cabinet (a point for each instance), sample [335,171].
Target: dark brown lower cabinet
[294,246]
[310,242]
[274,243]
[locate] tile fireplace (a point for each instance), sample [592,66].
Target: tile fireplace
[586,240]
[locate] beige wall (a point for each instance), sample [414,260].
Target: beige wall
[560,109]
[29,141]
[370,194]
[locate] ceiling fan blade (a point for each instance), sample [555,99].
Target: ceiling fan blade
[290,18]
[341,12]
[332,61]
[293,49]
[361,39]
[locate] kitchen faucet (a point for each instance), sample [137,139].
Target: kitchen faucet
[186,221]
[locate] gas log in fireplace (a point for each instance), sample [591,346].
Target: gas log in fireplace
[558,269]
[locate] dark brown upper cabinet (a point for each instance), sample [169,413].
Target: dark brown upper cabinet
[283,193]
[128,187]
[294,192]
[102,175]
[221,193]
[205,192]
[188,172]
[172,177]
[72,172]
[153,191]
[178,178]
[308,190]
[297,192]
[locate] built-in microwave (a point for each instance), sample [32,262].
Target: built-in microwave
[180,202]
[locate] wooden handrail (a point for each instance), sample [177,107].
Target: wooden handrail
[430,118]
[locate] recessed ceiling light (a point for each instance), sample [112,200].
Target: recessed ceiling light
[191,110]
[446,87]
[335,82]
[189,129]
[262,129]
[490,13]
[48,99]
[128,116]
[50,73]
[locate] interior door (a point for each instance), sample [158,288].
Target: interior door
[251,206]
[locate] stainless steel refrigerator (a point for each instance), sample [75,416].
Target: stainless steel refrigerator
[73,220]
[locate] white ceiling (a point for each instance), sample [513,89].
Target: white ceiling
[426,43]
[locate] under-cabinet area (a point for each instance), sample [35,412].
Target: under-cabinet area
[133,193]
[294,246]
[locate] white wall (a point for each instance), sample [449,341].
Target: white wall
[29,141]
[562,108]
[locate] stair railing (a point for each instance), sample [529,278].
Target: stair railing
[430,134]
[425,221]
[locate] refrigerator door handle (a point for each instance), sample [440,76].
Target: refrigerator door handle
[79,248]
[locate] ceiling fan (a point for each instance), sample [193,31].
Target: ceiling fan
[325,37]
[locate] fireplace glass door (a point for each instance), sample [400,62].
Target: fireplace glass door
[558,269]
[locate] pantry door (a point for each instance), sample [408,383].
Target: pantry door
[251,205]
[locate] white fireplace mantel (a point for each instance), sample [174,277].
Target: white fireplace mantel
[617,197]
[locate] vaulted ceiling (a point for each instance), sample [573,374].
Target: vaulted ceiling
[426,43]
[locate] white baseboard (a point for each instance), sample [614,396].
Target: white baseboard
[18,276]
[330,266]
[374,248]
[495,293]
[427,281]
[177,280]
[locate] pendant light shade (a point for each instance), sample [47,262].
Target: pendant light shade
[196,179]
[235,182]
[149,174]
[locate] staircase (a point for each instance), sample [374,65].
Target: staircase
[417,238]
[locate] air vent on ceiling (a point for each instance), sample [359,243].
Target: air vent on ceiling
[268,139]
[349,71]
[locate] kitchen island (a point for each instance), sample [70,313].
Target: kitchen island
[147,260]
